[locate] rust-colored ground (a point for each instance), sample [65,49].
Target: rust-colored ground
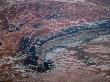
[69,66]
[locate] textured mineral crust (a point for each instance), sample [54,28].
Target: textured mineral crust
[54,41]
